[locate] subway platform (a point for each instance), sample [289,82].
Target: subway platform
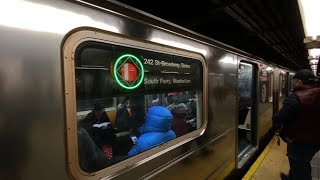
[273,161]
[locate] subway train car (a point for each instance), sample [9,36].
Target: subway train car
[110,92]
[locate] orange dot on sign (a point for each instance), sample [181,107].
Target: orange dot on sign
[129,72]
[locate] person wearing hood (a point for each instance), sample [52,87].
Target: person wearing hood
[298,124]
[156,130]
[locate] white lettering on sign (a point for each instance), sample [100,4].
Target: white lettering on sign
[165,81]
[170,64]
[155,81]
[187,66]
[151,81]
[148,61]
[156,62]
[181,81]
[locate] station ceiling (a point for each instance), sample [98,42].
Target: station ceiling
[270,29]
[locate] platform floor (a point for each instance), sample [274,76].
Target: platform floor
[273,161]
[270,164]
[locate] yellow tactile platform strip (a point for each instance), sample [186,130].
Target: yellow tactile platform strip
[270,163]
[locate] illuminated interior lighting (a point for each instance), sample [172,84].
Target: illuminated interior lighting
[313,66]
[179,45]
[117,66]
[36,17]
[314,52]
[247,64]
[313,62]
[228,60]
[309,10]
[269,68]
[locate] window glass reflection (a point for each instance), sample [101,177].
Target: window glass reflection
[118,118]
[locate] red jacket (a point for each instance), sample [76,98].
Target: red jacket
[305,125]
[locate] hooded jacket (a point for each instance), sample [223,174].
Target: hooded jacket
[156,130]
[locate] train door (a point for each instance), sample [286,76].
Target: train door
[270,74]
[284,84]
[280,84]
[247,123]
[290,82]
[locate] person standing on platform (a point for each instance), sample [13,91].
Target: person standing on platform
[298,124]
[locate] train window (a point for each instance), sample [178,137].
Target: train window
[266,85]
[245,80]
[132,100]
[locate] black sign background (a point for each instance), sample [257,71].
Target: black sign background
[98,59]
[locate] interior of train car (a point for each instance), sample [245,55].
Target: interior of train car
[115,93]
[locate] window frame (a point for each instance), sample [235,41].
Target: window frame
[71,42]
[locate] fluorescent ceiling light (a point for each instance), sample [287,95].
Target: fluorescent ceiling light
[314,66]
[314,52]
[269,68]
[310,14]
[313,62]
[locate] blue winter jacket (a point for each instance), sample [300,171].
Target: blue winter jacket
[156,130]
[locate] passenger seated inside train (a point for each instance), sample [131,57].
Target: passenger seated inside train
[186,99]
[155,100]
[155,131]
[175,98]
[192,112]
[96,116]
[179,124]
[172,100]
[91,158]
[124,102]
[125,119]
[98,126]
[126,128]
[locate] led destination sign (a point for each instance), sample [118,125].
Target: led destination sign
[160,72]
[106,69]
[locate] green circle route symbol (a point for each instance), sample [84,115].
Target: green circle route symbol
[128,71]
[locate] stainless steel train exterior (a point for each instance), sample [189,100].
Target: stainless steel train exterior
[38,114]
